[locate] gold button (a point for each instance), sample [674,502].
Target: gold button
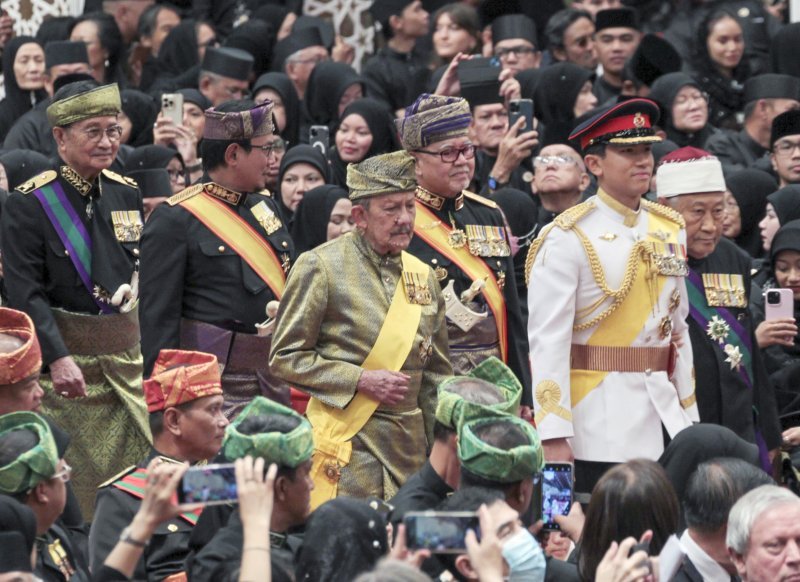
[284,244]
[172,527]
[434,261]
[221,249]
[135,252]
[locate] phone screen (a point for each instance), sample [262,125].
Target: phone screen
[556,492]
[208,484]
[438,531]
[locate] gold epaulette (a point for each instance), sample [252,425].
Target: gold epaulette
[37,181]
[121,179]
[482,199]
[535,245]
[570,217]
[664,212]
[118,476]
[185,194]
[265,192]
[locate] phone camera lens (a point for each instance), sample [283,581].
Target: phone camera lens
[773,297]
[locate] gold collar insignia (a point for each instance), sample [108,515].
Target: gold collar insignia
[430,199]
[230,196]
[75,180]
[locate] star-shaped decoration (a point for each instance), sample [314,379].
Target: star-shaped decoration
[734,356]
[717,329]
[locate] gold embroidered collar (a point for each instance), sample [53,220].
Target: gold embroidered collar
[435,201]
[629,217]
[75,180]
[226,195]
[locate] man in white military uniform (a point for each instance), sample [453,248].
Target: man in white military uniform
[610,352]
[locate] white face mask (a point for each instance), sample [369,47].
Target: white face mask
[524,557]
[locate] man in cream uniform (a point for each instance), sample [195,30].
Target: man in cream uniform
[610,352]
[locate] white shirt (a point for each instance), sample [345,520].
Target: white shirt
[709,568]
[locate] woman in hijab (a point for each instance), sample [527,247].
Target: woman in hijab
[139,112]
[782,206]
[23,71]
[257,38]
[719,67]
[303,167]
[745,207]
[684,109]
[331,87]
[563,93]
[365,130]
[322,215]
[278,88]
[181,54]
[150,157]
[22,165]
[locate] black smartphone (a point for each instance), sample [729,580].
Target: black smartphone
[319,137]
[208,484]
[521,108]
[557,485]
[441,532]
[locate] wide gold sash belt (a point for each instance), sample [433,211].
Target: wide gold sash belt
[619,359]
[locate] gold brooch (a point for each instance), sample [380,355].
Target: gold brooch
[332,471]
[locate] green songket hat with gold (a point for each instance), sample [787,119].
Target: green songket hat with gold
[496,464]
[35,465]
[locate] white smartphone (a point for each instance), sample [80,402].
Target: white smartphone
[172,107]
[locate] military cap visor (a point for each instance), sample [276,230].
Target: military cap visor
[628,123]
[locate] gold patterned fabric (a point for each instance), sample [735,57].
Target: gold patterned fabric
[239,125]
[383,174]
[103,100]
[433,118]
[336,299]
[108,427]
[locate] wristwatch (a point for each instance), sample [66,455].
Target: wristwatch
[494,184]
[125,537]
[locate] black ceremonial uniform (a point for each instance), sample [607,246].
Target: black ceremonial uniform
[57,559]
[199,294]
[424,490]
[723,397]
[39,274]
[396,78]
[117,504]
[467,349]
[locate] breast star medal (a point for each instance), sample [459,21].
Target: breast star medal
[718,329]
[734,356]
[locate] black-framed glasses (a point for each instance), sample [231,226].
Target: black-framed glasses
[450,155]
[518,51]
[785,148]
[275,148]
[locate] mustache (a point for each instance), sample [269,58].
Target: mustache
[402,230]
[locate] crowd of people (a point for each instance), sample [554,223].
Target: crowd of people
[263,304]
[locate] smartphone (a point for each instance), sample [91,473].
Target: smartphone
[441,532]
[557,485]
[209,484]
[521,108]
[319,137]
[172,107]
[778,304]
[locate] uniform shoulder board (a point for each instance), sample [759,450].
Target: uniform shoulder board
[118,476]
[37,181]
[185,194]
[664,212]
[569,218]
[121,179]
[265,192]
[478,198]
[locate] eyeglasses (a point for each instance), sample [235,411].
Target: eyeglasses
[95,134]
[785,148]
[518,51]
[175,175]
[275,148]
[450,155]
[686,99]
[543,161]
[64,474]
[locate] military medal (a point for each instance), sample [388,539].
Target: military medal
[101,295]
[266,217]
[456,239]
[674,300]
[734,356]
[285,262]
[724,290]
[670,259]
[718,329]
[416,288]
[425,349]
[487,241]
[128,225]
[441,273]
[665,327]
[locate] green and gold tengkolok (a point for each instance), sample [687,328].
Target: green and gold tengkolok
[384,174]
[104,100]
[285,449]
[452,409]
[34,465]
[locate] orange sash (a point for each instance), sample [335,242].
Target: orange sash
[437,237]
[241,237]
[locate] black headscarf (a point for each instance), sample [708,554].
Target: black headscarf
[750,188]
[256,37]
[786,203]
[784,50]
[557,90]
[344,537]
[149,157]
[178,52]
[381,126]
[22,165]
[663,91]
[18,518]
[326,85]
[283,86]
[302,153]
[310,226]
[17,101]
[142,110]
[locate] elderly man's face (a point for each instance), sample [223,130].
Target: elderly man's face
[558,169]
[446,167]
[490,124]
[89,146]
[773,551]
[703,214]
[387,222]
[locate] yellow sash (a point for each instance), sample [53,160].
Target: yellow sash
[335,427]
[241,237]
[623,325]
[437,237]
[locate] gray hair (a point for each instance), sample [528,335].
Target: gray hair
[749,508]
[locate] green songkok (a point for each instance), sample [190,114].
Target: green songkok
[383,174]
[288,449]
[499,465]
[103,100]
[34,465]
[452,409]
